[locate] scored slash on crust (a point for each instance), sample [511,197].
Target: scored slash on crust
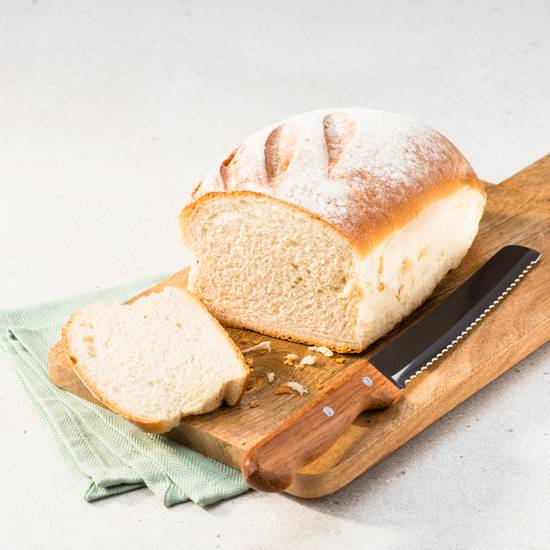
[475,322]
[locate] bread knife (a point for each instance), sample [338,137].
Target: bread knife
[377,383]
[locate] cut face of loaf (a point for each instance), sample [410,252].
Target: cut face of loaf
[156,360]
[274,268]
[329,227]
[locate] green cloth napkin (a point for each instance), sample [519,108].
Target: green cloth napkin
[105,453]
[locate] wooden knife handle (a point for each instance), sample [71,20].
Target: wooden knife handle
[272,463]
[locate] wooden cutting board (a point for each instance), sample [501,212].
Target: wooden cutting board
[518,212]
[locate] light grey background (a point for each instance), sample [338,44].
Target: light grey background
[110,111]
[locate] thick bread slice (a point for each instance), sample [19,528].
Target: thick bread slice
[156,360]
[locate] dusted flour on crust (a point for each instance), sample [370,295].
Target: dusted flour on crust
[330,227]
[364,171]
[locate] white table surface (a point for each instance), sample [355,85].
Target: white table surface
[111,111]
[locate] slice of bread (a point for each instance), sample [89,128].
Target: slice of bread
[156,360]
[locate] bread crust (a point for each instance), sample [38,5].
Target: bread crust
[263,165]
[148,425]
[363,175]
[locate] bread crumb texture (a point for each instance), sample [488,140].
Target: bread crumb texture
[308,360]
[259,347]
[282,389]
[321,349]
[289,359]
[296,387]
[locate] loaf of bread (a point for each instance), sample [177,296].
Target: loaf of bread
[329,227]
[156,360]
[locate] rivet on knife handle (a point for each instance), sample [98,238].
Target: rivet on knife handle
[271,464]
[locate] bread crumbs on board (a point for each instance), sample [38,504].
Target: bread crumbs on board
[297,387]
[289,359]
[340,359]
[321,349]
[254,404]
[283,389]
[258,347]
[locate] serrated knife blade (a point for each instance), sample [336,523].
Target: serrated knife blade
[440,329]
